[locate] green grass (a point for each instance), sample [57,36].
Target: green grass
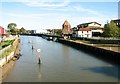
[6,43]
[85,41]
[7,52]
[102,45]
[108,45]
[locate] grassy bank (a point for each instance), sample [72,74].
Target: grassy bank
[108,45]
[11,49]
[6,43]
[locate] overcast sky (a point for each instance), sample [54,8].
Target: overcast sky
[49,14]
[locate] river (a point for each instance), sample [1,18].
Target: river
[59,63]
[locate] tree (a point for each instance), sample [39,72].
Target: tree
[111,30]
[22,30]
[119,31]
[17,31]
[50,30]
[11,27]
[58,31]
[75,28]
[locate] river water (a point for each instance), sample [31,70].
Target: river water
[59,63]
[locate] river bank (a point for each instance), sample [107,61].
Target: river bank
[59,63]
[6,68]
[111,47]
[101,52]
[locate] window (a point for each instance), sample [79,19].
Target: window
[87,35]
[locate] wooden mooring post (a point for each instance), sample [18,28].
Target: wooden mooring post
[38,50]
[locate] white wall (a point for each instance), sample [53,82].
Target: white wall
[101,31]
[85,34]
[41,31]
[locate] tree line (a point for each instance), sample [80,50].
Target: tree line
[12,28]
[110,30]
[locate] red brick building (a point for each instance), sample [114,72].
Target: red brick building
[2,30]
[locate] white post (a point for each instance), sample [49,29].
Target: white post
[32,45]
[38,50]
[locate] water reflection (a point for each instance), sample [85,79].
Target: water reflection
[105,70]
[66,53]
[39,72]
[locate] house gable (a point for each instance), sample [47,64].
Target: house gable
[84,25]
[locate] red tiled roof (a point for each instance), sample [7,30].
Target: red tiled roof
[84,29]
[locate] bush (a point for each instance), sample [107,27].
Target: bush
[6,43]
[8,51]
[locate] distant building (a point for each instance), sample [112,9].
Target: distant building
[41,31]
[85,32]
[95,27]
[117,22]
[2,31]
[89,24]
[66,28]
[74,31]
[33,31]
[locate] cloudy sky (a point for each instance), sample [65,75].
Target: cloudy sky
[49,14]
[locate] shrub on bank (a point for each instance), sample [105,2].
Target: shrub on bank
[7,52]
[6,43]
[11,49]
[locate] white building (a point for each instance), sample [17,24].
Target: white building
[89,24]
[41,31]
[95,27]
[85,32]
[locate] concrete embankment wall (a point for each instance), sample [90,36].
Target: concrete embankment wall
[100,41]
[8,64]
[107,55]
[1,51]
[6,59]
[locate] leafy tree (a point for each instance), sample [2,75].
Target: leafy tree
[111,30]
[16,30]
[22,30]
[119,32]
[11,27]
[50,30]
[58,31]
[74,28]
